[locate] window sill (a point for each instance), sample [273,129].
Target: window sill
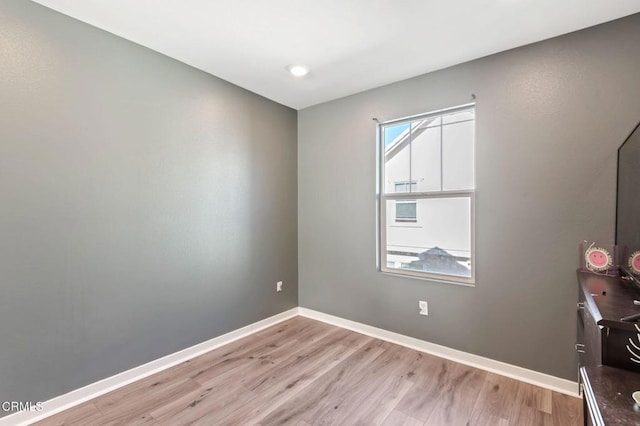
[434,278]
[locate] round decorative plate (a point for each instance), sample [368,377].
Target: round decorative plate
[598,259]
[634,262]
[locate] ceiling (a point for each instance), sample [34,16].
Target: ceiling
[349,45]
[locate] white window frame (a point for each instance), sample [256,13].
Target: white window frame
[383,197]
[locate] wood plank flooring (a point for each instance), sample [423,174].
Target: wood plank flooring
[303,372]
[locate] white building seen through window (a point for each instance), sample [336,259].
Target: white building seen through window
[426,186]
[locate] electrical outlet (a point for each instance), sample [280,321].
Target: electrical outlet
[424,308]
[279,286]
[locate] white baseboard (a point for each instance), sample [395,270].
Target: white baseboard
[525,375]
[78,396]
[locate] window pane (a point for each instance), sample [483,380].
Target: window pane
[396,158]
[425,158]
[458,116]
[392,134]
[438,242]
[457,156]
[433,121]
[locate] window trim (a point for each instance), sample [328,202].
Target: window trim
[381,197]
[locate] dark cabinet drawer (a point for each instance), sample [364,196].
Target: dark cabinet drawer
[591,337]
[608,368]
[603,339]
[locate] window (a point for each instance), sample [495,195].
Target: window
[427,195]
[406,211]
[405,186]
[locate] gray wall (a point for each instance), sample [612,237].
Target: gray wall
[550,117]
[145,206]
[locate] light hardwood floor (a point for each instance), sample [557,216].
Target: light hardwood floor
[303,372]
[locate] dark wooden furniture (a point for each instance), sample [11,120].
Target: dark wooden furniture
[607,395]
[608,372]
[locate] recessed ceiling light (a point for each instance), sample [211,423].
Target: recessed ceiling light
[298,70]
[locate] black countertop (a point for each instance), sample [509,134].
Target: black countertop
[611,388]
[610,299]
